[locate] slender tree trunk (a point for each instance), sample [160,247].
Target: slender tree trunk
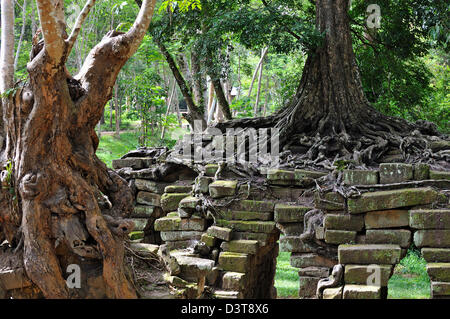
[266,102]
[117,106]
[22,32]
[258,93]
[258,66]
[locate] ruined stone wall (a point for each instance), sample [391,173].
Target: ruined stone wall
[221,233]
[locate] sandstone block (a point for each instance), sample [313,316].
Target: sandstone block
[219,189]
[369,254]
[360,177]
[310,260]
[401,237]
[361,292]
[333,293]
[344,222]
[220,232]
[248,226]
[430,219]
[235,262]
[386,219]
[241,246]
[295,244]
[170,201]
[395,173]
[340,236]
[147,198]
[439,255]
[363,274]
[289,213]
[439,271]
[150,186]
[432,238]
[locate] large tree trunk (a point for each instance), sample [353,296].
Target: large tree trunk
[329,117]
[58,181]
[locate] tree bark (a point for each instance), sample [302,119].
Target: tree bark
[57,177]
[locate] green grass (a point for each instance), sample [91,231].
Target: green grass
[111,147]
[409,281]
[286,277]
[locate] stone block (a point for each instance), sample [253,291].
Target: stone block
[139,223]
[147,198]
[241,246]
[321,272]
[439,271]
[361,292]
[430,219]
[385,200]
[432,238]
[193,268]
[386,219]
[396,173]
[440,289]
[401,237]
[301,174]
[252,206]
[235,262]
[233,280]
[220,189]
[133,162]
[150,186]
[340,236]
[436,255]
[360,177]
[262,238]
[299,260]
[202,184]
[145,211]
[226,294]
[344,222]
[145,248]
[242,215]
[181,244]
[362,274]
[289,213]
[308,287]
[180,235]
[248,226]
[190,203]
[280,177]
[421,171]
[333,293]
[176,223]
[136,235]
[170,201]
[291,229]
[369,254]
[295,245]
[220,232]
[440,175]
[329,201]
[178,189]
[209,241]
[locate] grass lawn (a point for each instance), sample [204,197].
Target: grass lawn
[111,148]
[409,281]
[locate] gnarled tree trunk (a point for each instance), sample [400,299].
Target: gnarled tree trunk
[72,207]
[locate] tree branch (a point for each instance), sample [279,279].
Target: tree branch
[51,29]
[78,24]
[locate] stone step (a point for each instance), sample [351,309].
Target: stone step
[430,219]
[221,188]
[242,215]
[401,237]
[369,254]
[439,255]
[190,203]
[289,213]
[432,238]
[178,189]
[147,198]
[150,186]
[384,200]
[338,237]
[396,173]
[133,162]
[241,246]
[440,175]
[333,293]
[252,206]
[177,223]
[439,271]
[170,201]
[181,235]
[360,177]
[344,222]
[248,226]
[361,292]
[329,201]
[299,260]
[440,289]
[139,223]
[235,262]
[296,177]
[224,294]
[145,248]
[295,245]
[262,238]
[222,233]
[386,219]
[193,268]
[361,274]
[234,281]
[209,241]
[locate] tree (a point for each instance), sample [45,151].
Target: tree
[54,180]
[330,117]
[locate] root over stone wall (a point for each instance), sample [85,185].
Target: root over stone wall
[220,237]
